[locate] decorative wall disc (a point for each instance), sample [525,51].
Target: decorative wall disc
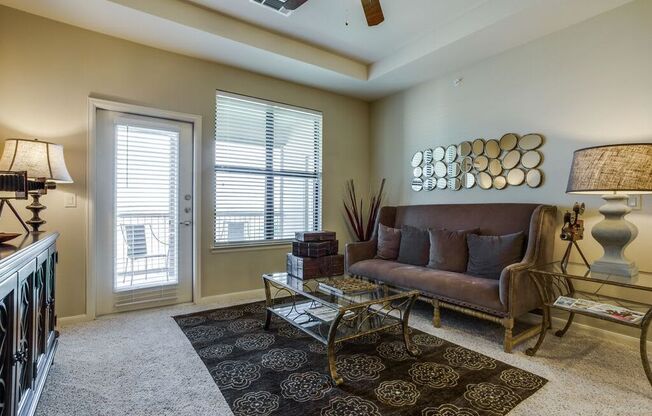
[480,163]
[417,159]
[515,177]
[508,142]
[495,167]
[430,184]
[484,180]
[468,180]
[492,149]
[511,159]
[438,153]
[478,147]
[499,182]
[464,149]
[531,159]
[442,183]
[534,178]
[428,170]
[451,154]
[427,156]
[417,172]
[466,164]
[454,184]
[440,169]
[530,141]
[417,184]
[454,170]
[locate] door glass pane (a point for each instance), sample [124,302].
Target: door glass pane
[146,201]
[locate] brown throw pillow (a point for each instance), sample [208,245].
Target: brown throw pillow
[415,246]
[389,241]
[448,250]
[490,254]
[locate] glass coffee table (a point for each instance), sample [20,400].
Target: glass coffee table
[336,309]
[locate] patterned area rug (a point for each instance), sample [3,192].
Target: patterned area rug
[285,372]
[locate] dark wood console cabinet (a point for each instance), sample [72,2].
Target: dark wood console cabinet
[28,338]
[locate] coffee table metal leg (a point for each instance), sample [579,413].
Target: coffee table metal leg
[645,326]
[406,329]
[332,362]
[268,303]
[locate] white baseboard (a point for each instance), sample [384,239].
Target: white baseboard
[69,320]
[233,298]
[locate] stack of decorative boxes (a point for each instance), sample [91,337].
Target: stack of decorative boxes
[314,254]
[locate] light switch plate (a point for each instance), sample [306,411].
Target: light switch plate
[69,200]
[635,202]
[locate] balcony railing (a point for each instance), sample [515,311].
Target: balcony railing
[145,250]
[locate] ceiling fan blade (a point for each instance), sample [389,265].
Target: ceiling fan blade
[373,12]
[293,4]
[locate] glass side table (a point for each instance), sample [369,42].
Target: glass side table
[553,280]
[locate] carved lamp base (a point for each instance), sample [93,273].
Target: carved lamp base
[36,207]
[614,233]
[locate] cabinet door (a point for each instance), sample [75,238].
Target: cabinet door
[7,343]
[24,356]
[50,295]
[41,310]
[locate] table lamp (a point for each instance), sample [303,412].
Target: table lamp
[615,171]
[45,167]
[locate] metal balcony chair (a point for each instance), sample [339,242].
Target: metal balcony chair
[135,238]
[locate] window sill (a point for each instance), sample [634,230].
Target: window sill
[254,246]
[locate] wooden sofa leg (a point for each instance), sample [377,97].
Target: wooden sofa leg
[508,323]
[436,315]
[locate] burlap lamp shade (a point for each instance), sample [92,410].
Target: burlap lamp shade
[624,167]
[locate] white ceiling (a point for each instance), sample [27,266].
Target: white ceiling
[314,47]
[323,22]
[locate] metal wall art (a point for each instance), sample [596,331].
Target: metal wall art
[489,164]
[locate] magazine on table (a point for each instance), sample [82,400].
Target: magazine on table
[604,309]
[325,313]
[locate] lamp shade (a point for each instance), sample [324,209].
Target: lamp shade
[612,168]
[39,159]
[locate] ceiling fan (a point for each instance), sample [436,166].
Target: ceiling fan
[372,10]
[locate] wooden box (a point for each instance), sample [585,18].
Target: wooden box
[306,236]
[314,248]
[313,267]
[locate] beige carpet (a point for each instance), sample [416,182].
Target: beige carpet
[141,364]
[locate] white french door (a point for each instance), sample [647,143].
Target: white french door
[144,211]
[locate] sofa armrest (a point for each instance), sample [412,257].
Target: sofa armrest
[355,252]
[517,290]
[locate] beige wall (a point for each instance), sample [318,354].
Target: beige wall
[586,85]
[47,71]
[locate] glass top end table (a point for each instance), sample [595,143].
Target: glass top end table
[339,308]
[556,288]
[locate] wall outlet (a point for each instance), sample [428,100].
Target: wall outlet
[69,200]
[635,202]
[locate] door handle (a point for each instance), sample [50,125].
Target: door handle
[187,223]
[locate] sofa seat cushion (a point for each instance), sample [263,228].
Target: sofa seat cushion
[471,290]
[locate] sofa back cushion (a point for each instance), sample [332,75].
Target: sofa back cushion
[490,254]
[448,250]
[490,219]
[389,242]
[415,246]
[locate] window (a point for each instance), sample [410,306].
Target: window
[267,170]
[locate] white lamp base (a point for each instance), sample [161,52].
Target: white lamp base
[615,233]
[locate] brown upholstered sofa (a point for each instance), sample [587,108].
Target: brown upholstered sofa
[501,301]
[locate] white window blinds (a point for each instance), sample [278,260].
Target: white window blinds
[267,170]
